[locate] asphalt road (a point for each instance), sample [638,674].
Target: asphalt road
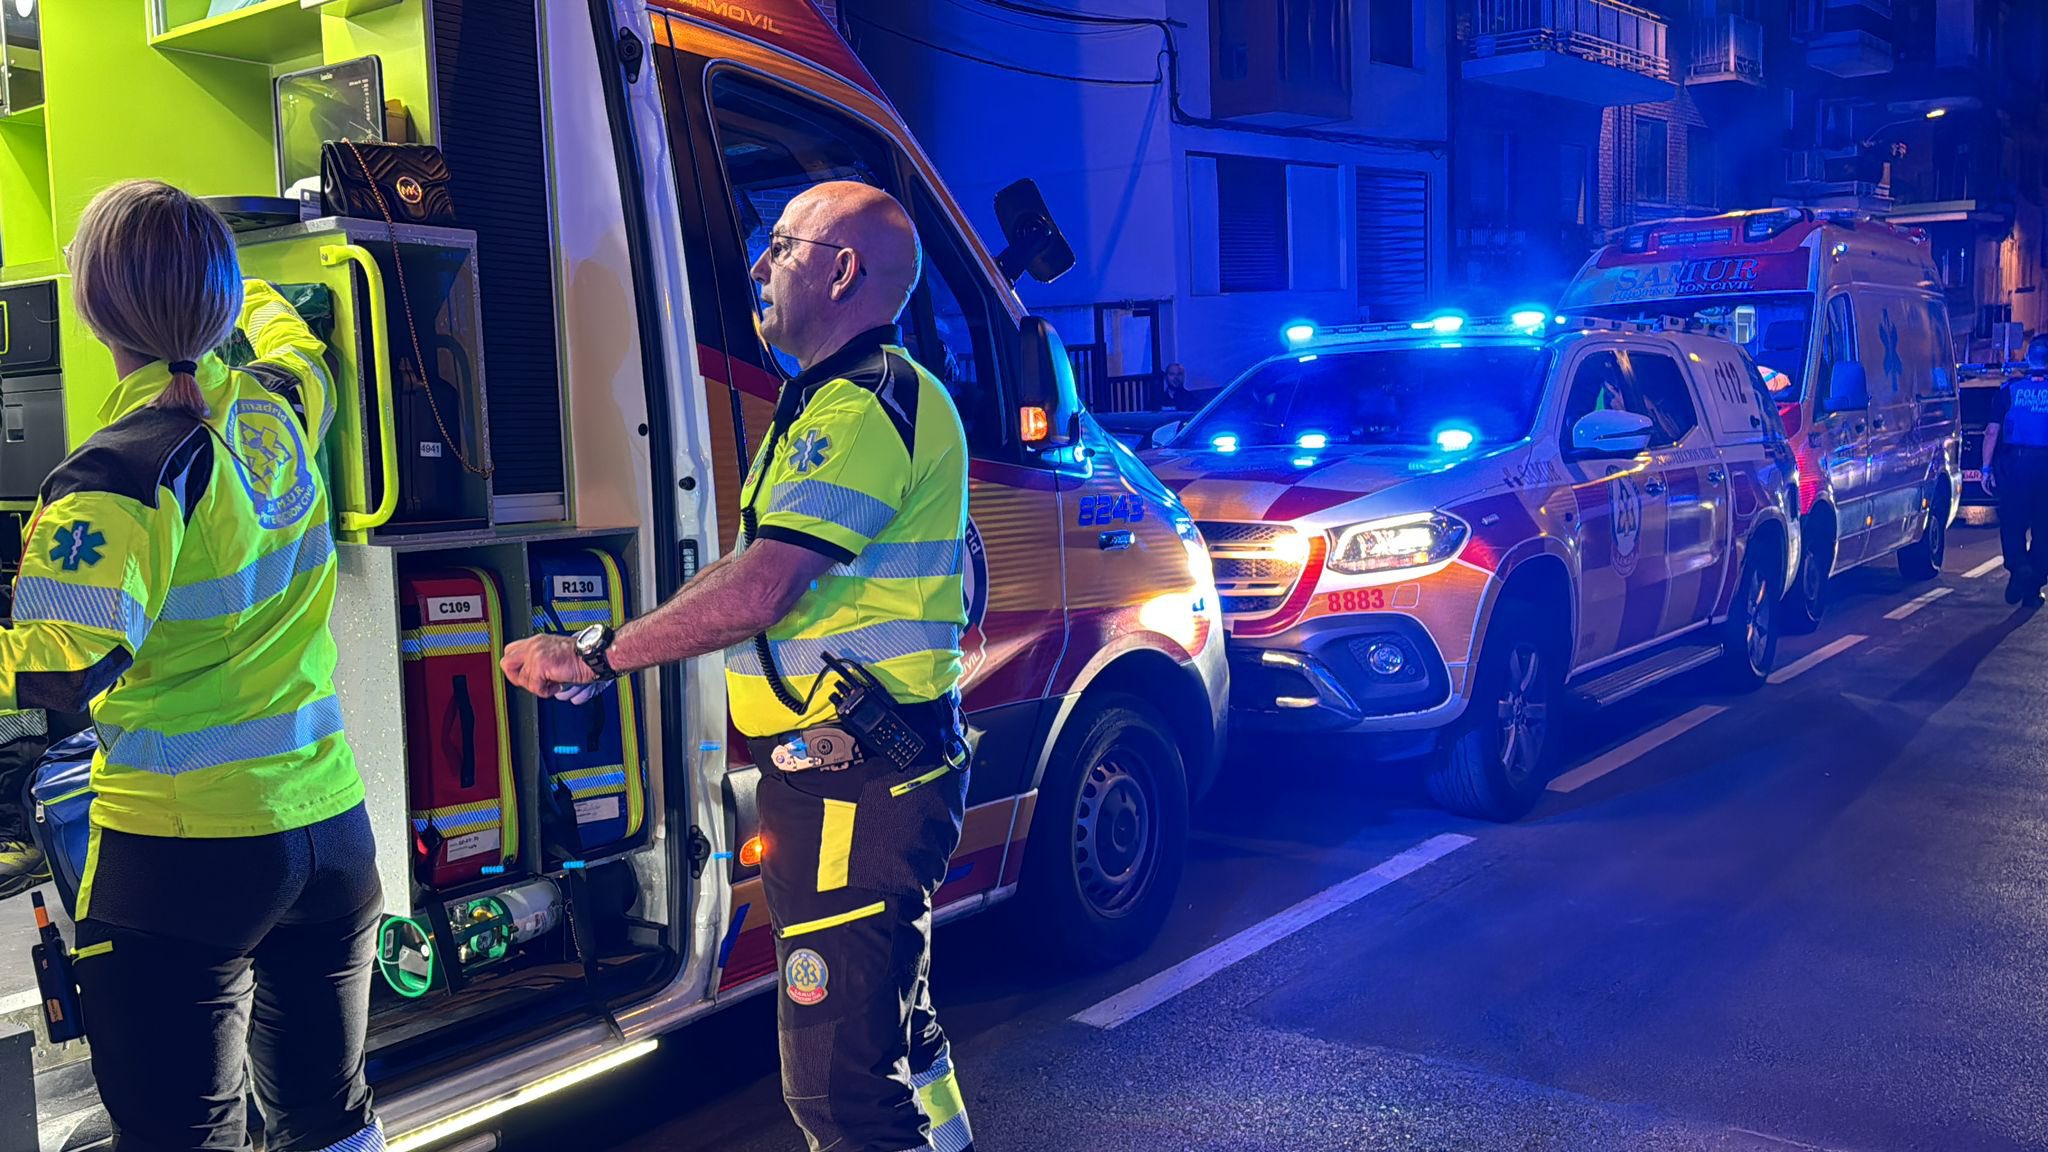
[1810,917]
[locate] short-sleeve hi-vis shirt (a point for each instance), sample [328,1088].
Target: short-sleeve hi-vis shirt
[871,471]
[178,576]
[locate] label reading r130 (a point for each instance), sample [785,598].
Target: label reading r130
[576,587]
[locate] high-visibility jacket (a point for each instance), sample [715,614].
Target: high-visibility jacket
[178,575]
[867,465]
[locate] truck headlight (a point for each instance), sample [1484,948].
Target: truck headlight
[1397,542]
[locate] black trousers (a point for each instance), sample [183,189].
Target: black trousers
[201,961]
[851,862]
[2023,510]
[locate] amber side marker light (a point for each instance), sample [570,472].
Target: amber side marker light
[1034,424]
[750,853]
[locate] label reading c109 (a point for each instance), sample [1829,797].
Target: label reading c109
[577,587]
[441,608]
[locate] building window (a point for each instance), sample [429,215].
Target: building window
[1653,151]
[1233,50]
[1251,224]
[1393,32]
[1487,160]
[1393,243]
[1572,185]
[1315,44]
[1702,169]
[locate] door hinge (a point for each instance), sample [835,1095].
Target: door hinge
[699,851]
[631,54]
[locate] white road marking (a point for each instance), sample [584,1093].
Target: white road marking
[1150,993]
[1917,603]
[1807,661]
[20,1000]
[1986,568]
[1671,729]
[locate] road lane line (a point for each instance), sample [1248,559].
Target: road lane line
[1806,662]
[20,1000]
[1986,568]
[1917,603]
[1150,993]
[1671,729]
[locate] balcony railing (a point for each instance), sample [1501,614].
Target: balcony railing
[1600,52]
[1603,31]
[1730,48]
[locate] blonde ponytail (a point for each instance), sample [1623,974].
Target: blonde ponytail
[154,273]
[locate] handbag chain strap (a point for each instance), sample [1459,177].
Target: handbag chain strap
[412,329]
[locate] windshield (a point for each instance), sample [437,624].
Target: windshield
[1448,396]
[1772,328]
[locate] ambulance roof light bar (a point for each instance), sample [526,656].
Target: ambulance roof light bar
[1689,324]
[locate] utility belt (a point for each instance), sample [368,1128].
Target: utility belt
[860,735]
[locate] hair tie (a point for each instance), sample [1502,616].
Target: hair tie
[184,368]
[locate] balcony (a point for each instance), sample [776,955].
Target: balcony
[1598,52]
[1728,50]
[1850,54]
[1838,178]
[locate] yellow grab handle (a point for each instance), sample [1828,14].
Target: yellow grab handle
[380,362]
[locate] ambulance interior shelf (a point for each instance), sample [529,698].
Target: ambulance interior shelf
[524,813]
[411,450]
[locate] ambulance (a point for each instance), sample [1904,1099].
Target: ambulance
[1437,534]
[550,382]
[1846,313]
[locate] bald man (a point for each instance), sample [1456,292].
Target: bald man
[841,619]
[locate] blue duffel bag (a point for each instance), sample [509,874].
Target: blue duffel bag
[60,798]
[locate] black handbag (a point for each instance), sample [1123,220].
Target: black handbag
[404,183]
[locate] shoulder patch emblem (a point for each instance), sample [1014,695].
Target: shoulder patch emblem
[77,545]
[272,460]
[806,977]
[808,451]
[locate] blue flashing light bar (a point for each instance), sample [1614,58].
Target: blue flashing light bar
[1299,332]
[1313,441]
[1224,443]
[1454,439]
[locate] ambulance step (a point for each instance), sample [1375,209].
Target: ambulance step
[1633,678]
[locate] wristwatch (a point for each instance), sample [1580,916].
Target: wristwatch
[591,644]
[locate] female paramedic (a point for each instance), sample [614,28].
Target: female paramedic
[178,575]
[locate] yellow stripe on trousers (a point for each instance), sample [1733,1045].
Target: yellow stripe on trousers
[835,845]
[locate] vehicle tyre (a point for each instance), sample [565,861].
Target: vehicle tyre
[1749,637]
[1110,835]
[1806,600]
[1921,560]
[1497,759]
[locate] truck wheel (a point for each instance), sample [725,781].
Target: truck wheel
[1806,600]
[1921,560]
[1750,636]
[1498,757]
[1110,835]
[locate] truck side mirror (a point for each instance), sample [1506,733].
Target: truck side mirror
[1035,243]
[1610,432]
[1164,434]
[1848,387]
[1048,403]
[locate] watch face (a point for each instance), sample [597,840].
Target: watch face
[587,641]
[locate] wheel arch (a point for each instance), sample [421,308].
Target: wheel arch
[1538,573]
[1173,690]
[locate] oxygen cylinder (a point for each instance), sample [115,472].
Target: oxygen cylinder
[487,928]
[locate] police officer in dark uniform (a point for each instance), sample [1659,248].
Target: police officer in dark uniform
[2016,471]
[854,516]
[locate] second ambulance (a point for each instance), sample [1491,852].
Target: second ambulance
[1432,532]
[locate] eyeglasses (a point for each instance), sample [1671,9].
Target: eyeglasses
[781,246]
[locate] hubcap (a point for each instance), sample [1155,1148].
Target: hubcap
[1810,577]
[1113,836]
[1524,713]
[1757,611]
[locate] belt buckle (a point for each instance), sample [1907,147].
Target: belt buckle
[820,749]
